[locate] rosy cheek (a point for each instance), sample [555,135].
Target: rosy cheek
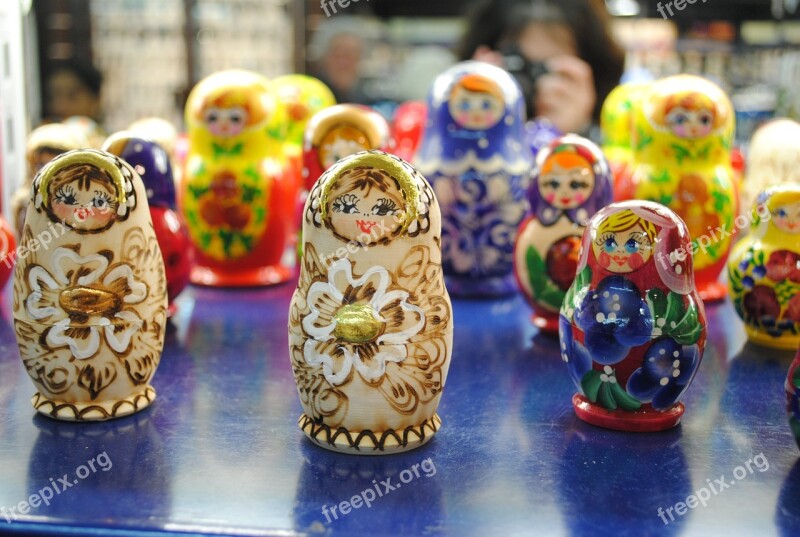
[579,198]
[635,261]
[604,259]
[550,197]
[463,118]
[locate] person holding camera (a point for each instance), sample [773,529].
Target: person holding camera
[560,51]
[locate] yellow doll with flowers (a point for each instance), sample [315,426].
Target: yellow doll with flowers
[238,196]
[683,132]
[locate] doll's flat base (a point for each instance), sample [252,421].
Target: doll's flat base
[256,277]
[713,292]
[369,442]
[621,420]
[93,411]
[785,342]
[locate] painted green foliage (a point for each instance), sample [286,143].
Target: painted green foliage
[544,289]
[673,318]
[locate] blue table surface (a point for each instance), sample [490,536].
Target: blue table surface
[219,452]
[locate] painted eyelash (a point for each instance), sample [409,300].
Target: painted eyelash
[383,202]
[602,239]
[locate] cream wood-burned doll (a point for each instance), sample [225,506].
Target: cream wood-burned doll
[90,296]
[370,325]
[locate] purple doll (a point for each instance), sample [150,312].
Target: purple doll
[474,154]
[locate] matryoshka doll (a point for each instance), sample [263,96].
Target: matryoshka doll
[44,144]
[616,127]
[339,131]
[764,269]
[408,123]
[370,324]
[152,163]
[773,158]
[632,325]
[793,398]
[473,152]
[570,183]
[90,297]
[683,133]
[237,196]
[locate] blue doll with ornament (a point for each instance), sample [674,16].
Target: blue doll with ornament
[475,155]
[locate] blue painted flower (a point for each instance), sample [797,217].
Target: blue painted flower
[744,264]
[666,373]
[748,282]
[614,318]
[760,271]
[573,353]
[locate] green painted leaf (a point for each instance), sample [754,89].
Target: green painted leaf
[591,385]
[604,397]
[197,191]
[536,270]
[625,400]
[574,295]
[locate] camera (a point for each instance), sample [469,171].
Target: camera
[526,72]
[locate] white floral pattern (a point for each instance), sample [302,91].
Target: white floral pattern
[400,322]
[82,332]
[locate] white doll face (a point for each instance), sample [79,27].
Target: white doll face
[83,199]
[623,251]
[567,181]
[787,218]
[225,122]
[365,210]
[688,123]
[475,110]
[340,142]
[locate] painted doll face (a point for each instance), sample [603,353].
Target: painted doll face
[475,110]
[365,211]
[341,142]
[688,123]
[566,183]
[787,218]
[225,122]
[623,251]
[83,202]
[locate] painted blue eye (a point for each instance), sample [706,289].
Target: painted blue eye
[631,246]
[487,105]
[782,213]
[464,105]
[680,119]
[610,245]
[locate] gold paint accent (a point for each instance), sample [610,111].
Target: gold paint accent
[99,159]
[89,301]
[355,323]
[384,162]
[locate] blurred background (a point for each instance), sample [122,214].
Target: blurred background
[138,58]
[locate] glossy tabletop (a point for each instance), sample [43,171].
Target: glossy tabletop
[219,452]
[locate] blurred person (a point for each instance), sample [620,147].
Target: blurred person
[561,52]
[73,89]
[336,53]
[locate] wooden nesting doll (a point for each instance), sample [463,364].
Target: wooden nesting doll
[44,144]
[773,158]
[683,132]
[237,196]
[632,325]
[793,397]
[473,152]
[370,324]
[764,269]
[152,164]
[407,126]
[339,131]
[571,182]
[90,297]
[616,127]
